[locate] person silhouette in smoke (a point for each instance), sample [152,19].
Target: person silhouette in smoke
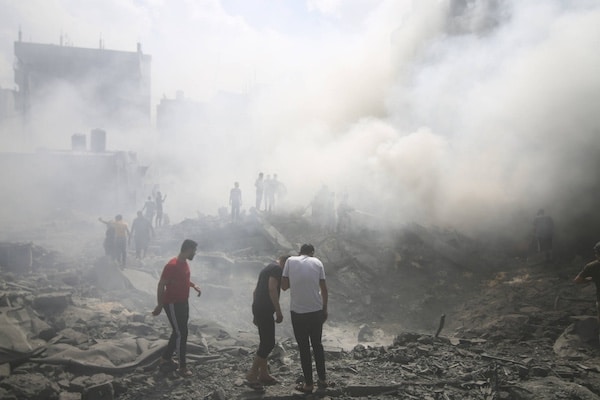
[142,231]
[109,239]
[149,209]
[235,201]
[172,295]
[266,303]
[121,231]
[269,194]
[159,201]
[259,184]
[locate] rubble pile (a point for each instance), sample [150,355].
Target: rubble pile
[415,313]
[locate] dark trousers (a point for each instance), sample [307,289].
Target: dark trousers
[308,329]
[235,212]
[266,332]
[178,314]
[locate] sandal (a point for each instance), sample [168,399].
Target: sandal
[255,385]
[301,387]
[167,364]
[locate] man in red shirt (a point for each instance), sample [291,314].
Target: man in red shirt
[172,295]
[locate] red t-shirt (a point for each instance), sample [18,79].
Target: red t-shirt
[177,277]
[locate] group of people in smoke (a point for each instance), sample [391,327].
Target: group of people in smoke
[322,205]
[303,275]
[267,189]
[118,235]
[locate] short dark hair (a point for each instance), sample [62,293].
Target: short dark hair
[306,249]
[188,244]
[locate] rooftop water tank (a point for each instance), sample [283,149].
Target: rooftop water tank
[98,140]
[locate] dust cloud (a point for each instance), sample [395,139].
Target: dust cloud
[469,114]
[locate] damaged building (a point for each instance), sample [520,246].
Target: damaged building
[106,85]
[94,180]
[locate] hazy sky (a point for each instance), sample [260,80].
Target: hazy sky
[445,112]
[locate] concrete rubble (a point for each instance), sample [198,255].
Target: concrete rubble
[78,327]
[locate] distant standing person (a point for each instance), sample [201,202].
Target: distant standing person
[304,275]
[172,295]
[270,188]
[591,273]
[259,184]
[121,238]
[543,228]
[159,200]
[142,231]
[109,239]
[235,201]
[266,303]
[280,189]
[149,209]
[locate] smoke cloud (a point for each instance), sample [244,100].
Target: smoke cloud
[470,114]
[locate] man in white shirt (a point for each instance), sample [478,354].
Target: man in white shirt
[304,275]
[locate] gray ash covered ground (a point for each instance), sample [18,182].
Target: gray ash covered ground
[513,329]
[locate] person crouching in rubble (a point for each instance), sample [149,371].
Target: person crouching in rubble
[266,303]
[591,273]
[172,295]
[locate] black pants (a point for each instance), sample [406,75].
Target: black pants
[178,314]
[266,331]
[308,329]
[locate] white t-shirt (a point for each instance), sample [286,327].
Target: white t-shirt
[304,273]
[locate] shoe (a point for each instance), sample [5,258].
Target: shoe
[325,384]
[184,372]
[301,387]
[255,385]
[270,381]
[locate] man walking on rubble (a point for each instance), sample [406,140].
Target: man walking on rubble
[121,237]
[304,275]
[591,273]
[172,295]
[266,303]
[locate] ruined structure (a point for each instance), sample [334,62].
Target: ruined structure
[108,85]
[47,181]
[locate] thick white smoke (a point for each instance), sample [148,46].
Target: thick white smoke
[465,113]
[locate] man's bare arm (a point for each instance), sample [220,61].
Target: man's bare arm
[274,295]
[324,297]
[285,283]
[160,290]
